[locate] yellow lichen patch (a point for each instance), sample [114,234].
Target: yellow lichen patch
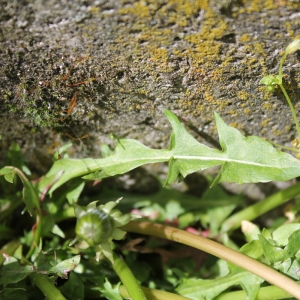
[143,37]
[139,8]
[263,131]
[287,128]
[200,107]
[205,45]
[180,11]
[209,97]
[266,95]
[259,48]
[265,123]
[245,38]
[189,8]
[235,125]
[267,105]
[207,34]
[277,132]
[247,111]
[94,9]
[295,23]
[159,54]
[227,62]
[174,11]
[251,6]
[157,35]
[242,95]
[204,51]
[233,113]
[188,92]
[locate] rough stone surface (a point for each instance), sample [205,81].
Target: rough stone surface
[126,61]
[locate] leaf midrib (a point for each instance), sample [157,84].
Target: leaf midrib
[183,157]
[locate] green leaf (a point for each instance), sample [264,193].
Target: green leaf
[12,271]
[128,155]
[293,245]
[8,174]
[252,159]
[283,233]
[266,233]
[13,294]
[109,292]
[208,289]
[63,268]
[187,155]
[75,192]
[6,232]
[253,249]
[56,230]
[272,253]
[30,196]
[216,217]
[14,158]
[243,159]
[41,263]
[141,271]
[73,288]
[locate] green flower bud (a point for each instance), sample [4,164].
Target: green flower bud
[270,88]
[95,227]
[98,225]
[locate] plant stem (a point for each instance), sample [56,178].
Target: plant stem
[46,287]
[280,68]
[128,279]
[216,249]
[265,293]
[284,147]
[291,107]
[152,294]
[37,235]
[258,209]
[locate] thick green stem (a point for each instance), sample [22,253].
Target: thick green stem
[128,279]
[258,209]
[46,287]
[152,294]
[265,293]
[216,249]
[291,107]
